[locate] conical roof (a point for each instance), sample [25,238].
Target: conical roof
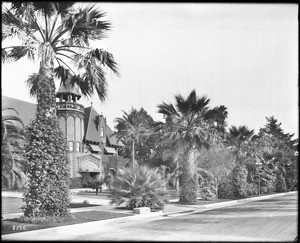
[67,88]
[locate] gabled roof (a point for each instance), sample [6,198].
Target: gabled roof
[90,125]
[25,109]
[91,120]
[112,138]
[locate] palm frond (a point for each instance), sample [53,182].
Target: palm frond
[13,25]
[167,109]
[105,58]
[87,23]
[5,56]
[182,104]
[64,6]
[92,73]
[17,52]
[32,84]
[84,85]
[62,73]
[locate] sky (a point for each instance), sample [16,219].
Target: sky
[243,56]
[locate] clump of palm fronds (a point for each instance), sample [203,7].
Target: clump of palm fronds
[141,187]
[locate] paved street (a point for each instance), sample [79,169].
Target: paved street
[267,220]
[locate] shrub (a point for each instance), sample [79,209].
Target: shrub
[141,187]
[46,220]
[225,187]
[267,179]
[263,190]
[280,185]
[239,181]
[207,185]
[252,189]
[75,183]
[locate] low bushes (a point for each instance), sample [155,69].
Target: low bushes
[225,189]
[280,185]
[207,185]
[75,182]
[252,189]
[141,187]
[46,220]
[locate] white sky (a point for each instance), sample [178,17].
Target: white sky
[243,56]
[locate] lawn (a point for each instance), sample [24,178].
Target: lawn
[14,226]
[14,204]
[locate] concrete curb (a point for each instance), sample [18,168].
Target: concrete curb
[198,208]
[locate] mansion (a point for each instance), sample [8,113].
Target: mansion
[91,141]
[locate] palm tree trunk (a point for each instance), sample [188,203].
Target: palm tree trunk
[188,191]
[51,154]
[46,87]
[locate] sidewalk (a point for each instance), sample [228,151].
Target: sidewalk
[170,210]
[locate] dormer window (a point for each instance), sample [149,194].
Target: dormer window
[102,132]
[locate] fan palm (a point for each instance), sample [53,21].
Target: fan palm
[237,137]
[13,176]
[58,35]
[189,126]
[131,129]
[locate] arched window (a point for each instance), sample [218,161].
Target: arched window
[62,124]
[102,132]
[78,129]
[70,128]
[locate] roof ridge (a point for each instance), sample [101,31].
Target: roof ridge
[4,96]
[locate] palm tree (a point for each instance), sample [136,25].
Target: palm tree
[131,128]
[190,126]
[237,138]
[13,176]
[58,35]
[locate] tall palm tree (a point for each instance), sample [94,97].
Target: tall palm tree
[131,128]
[58,35]
[13,176]
[190,126]
[237,138]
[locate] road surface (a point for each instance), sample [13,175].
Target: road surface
[267,220]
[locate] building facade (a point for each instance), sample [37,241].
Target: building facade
[91,141]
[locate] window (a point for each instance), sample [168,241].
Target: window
[77,146]
[71,146]
[102,132]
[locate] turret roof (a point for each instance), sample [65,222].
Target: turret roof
[68,88]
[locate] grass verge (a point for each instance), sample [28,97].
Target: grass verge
[10,226]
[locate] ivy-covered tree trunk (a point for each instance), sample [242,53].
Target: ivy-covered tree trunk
[188,190]
[46,154]
[239,181]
